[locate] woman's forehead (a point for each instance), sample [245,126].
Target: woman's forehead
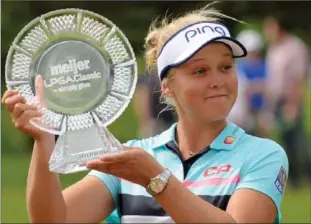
[215,48]
[212,50]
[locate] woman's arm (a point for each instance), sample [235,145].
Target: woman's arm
[256,199]
[257,196]
[45,202]
[185,207]
[88,200]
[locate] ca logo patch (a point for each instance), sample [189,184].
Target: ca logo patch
[281,180]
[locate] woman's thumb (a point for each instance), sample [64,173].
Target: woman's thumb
[39,86]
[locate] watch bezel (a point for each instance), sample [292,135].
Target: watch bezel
[159,180]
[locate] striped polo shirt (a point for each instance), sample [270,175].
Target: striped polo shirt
[233,161]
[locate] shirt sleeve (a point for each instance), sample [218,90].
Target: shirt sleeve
[266,172]
[111,182]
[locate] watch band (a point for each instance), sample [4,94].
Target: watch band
[165,175]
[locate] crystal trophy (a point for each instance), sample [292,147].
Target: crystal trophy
[89,75]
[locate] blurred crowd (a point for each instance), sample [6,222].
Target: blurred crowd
[272,82]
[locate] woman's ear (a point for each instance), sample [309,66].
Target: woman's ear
[165,88]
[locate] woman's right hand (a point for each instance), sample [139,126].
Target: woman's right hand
[21,112]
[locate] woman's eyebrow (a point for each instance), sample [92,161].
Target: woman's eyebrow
[197,59]
[194,61]
[227,55]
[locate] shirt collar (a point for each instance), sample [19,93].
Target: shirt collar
[225,140]
[228,137]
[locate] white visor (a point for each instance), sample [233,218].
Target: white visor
[188,41]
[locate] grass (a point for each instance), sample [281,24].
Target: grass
[296,205]
[14,177]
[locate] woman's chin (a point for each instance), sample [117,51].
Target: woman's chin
[214,118]
[218,113]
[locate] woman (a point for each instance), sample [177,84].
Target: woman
[202,169]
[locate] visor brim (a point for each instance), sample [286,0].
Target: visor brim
[237,48]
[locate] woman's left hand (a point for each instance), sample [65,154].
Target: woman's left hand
[132,164]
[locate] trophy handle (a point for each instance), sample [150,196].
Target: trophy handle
[74,148]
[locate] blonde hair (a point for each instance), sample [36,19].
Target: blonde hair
[161,31]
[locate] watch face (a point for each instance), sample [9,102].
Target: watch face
[157,185]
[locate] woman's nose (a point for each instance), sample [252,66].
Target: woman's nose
[216,80]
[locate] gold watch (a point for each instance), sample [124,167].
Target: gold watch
[158,183]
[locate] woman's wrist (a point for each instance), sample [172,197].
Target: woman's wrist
[154,171]
[43,136]
[45,142]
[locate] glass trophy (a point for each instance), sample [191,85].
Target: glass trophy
[89,75]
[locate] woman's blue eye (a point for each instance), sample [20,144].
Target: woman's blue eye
[200,71]
[227,68]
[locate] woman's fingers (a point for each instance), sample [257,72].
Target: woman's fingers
[39,85]
[120,157]
[19,108]
[8,93]
[94,164]
[100,166]
[10,102]
[24,119]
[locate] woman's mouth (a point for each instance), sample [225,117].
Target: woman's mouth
[216,96]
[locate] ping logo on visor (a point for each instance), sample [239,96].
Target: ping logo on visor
[205,29]
[188,41]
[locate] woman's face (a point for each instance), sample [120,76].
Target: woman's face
[205,87]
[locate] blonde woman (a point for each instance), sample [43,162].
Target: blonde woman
[202,169]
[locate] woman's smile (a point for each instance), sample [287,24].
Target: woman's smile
[217,97]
